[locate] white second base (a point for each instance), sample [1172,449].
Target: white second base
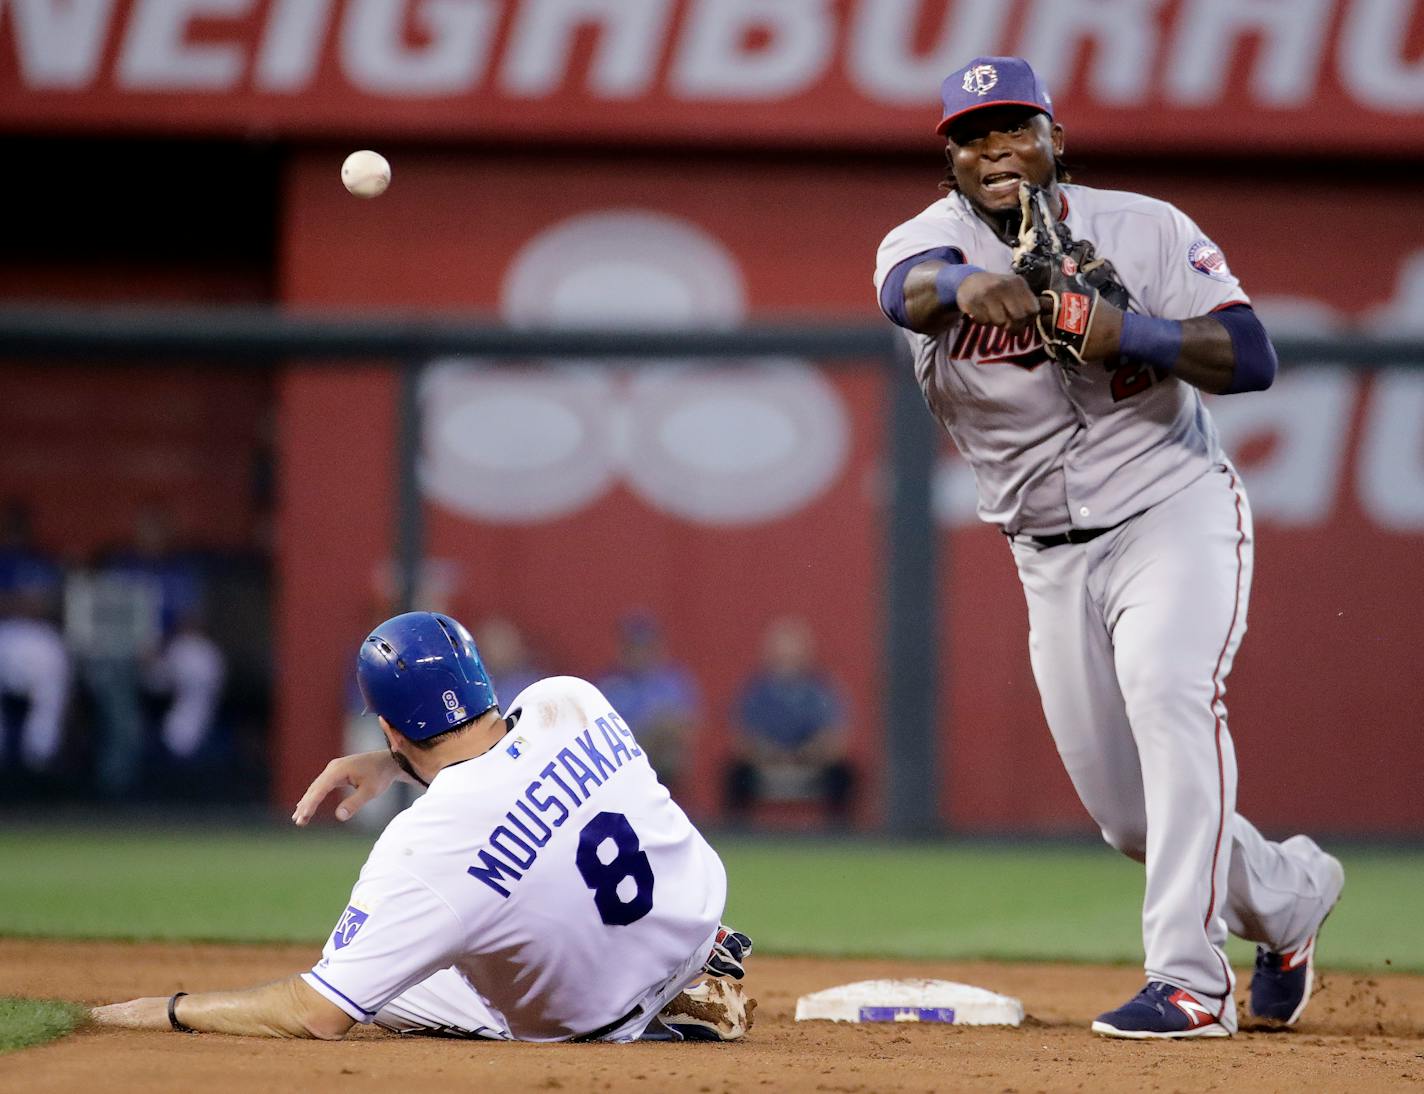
[910,1001]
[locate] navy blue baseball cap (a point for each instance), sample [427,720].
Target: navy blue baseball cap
[991,81]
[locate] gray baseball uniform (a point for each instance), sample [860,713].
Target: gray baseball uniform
[1132,633]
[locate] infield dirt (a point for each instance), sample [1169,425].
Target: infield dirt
[1361,1033]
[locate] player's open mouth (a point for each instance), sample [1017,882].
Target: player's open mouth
[1001,182]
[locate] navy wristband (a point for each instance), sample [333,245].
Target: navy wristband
[1149,340]
[947,282]
[892,291]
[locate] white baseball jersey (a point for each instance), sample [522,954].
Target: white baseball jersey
[1055,448]
[553,874]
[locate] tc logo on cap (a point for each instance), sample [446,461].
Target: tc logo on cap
[981,79]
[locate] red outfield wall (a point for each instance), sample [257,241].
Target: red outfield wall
[561,499]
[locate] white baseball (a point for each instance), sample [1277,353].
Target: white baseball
[366,174]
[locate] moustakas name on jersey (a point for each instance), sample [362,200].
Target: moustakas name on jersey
[554,873]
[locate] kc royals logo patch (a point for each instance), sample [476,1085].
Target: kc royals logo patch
[347,926]
[1206,258]
[981,79]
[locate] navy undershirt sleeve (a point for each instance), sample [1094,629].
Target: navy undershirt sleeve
[892,289]
[1251,346]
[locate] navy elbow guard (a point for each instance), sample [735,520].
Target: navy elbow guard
[1251,347]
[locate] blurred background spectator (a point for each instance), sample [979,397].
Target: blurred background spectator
[790,742]
[34,664]
[152,672]
[656,696]
[507,658]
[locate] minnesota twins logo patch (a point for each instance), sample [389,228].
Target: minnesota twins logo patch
[347,926]
[981,79]
[1206,258]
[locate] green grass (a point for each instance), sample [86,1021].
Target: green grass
[247,886]
[28,1022]
[1023,902]
[852,897]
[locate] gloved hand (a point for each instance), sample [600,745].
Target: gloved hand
[729,951]
[1066,273]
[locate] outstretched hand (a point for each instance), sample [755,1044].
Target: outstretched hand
[147,1013]
[368,773]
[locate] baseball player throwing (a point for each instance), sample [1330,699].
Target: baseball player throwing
[1062,335]
[544,888]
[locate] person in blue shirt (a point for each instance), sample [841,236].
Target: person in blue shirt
[653,693]
[507,658]
[790,740]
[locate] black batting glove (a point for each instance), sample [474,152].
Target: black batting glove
[729,950]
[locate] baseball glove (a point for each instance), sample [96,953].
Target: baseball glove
[1067,274]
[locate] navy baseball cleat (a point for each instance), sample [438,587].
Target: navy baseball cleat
[1283,980]
[1158,1012]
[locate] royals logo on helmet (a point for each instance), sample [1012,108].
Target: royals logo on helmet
[454,712]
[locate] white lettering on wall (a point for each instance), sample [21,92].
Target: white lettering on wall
[1134,53]
[624,268]
[716,61]
[1305,421]
[1287,68]
[1391,465]
[630,37]
[157,55]
[291,45]
[885,67]
[1123,34]
[377,59]
[58,43]
[720,446]
[1371,62]
[1405,313]
[954,496]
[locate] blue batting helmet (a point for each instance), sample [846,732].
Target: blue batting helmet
[421,673]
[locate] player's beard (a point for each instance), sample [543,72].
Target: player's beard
[405,765]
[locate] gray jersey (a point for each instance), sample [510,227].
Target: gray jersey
[1055,448]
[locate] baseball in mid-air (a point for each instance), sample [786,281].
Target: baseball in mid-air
[366,174]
